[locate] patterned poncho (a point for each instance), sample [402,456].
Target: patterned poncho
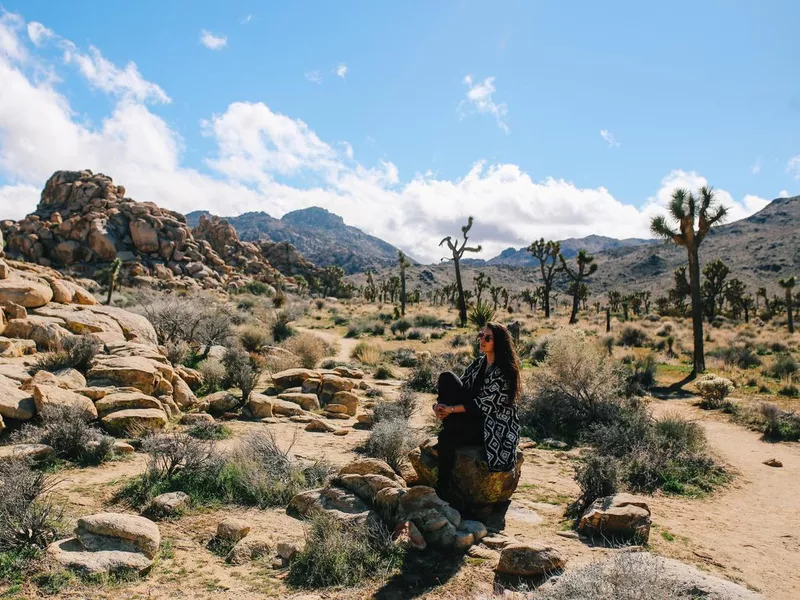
[501,425]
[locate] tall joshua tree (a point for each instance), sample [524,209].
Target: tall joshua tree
[689,211]
[787,285]
[547,253]
[458,252]
[403,262]
[586,267]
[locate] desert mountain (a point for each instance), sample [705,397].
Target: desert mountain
[759,250]
[321,236]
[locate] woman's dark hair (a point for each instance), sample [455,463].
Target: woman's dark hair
[506,359]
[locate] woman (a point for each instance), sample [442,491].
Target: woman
[480,407]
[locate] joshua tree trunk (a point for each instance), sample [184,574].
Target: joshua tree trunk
[462,304]
[608,319]
[697,310]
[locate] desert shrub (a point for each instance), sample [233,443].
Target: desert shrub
[308,347]
[624,576]
[340,320]
[778,347]
[29,513]
[365,327]
[74,352]
[213,373]
[403,408]
[194,319]
[339,553]
[417,334]
[178,353]
[210,431]
[424,374]
[319,303]
[665,330]
[480,314]
[632,337]
[539,350]
[391,440]
[403,357]
[460,340]
[254,336]
[367,353]
[743,357]
[281,329]
[384,372]
[256,288]
[242,370]
[427,321]
[68,431]
[714,390]
[785,365]
[640,375]
[597,477]
[779,424]
[789,390]
[401,326]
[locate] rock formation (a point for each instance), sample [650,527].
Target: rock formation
[84,221]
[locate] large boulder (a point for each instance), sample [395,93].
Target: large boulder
[285,408]
[347,399]
[331,385]
[529,560]
[260,406]
[30,451]
[48,333]
[26,293]
[15,403]
[617,517]
[222,402]
[82,320]
[46,397]
[117,401]
[291,378]
[71,554]
[135,420]
[182,394]
[250,548]
[307,402]
[127,532]
[130,371]
[136,328]
[474,483]
[144,235]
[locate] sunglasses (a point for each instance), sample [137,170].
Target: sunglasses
[486,337]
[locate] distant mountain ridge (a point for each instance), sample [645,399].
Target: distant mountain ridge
[321,236]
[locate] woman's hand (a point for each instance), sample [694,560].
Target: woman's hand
[442,411]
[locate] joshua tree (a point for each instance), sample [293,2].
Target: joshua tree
[403,262]
[482,282]
[735,295]
[787,284]
[586,268]
[547,253]
[507,298]
[714,286]
[614,300]
[458,252]
[113,274]
[762,292]
[494,292]
[702,212]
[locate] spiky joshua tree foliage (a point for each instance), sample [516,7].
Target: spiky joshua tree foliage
[586,268]
[458,248]
[695,216]
[547,255]
[787,284]
[403,263]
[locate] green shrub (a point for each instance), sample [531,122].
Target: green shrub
[640,375]
[338,553]
[632,337]
[427,321]
[74,352]
[384,372]
[779,425]
[403,408]
[254,336]
[597,477]
[242,370]
[784,366]
[340,320]
[281,329]
[743,357]
[480,314]
[210,431]
[391,440]
[213,373]
[370,327]
[256,288]
[401,326]
[789,390]
[713,391]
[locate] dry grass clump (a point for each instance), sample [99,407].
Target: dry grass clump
[367,353]
[309,348]
[213,372]
[72,353]
[254,336]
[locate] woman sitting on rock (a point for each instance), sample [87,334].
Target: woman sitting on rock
[480,407]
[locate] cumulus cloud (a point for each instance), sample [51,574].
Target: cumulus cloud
[314,76]
[257,151]
[38,33]
[609,138]
[211,41]
[783,194]
[479,99]
[341,70]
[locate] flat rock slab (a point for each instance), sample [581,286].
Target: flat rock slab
[133,371]
[125,400]
[71,554]
[32,451]
[47,397]
[141,532]
[15,403]
[123,422]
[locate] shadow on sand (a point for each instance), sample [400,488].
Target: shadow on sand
[674,391]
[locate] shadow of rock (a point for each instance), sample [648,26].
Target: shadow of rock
[421,573]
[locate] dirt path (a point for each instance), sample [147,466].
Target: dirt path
[749,532]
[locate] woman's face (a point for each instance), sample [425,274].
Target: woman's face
[486,338]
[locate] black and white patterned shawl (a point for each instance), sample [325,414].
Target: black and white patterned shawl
[501,425]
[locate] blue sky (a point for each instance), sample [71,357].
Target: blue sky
[540,119]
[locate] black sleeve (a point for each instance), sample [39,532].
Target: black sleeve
[469,405]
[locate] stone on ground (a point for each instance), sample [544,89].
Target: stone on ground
[249,548]
[232,530]
[196,418]
[136,420]
[46,397]
[305,401]
[620,517]
[71,554]
[101,531]
[15,403]
[31,451]
[530,559]
[168,505]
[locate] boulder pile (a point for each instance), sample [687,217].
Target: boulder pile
[84,221]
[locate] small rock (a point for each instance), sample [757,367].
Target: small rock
[621,516]
[232,530]
[170,504]
[529,560]
[336,408]
[497,542]
[249,548]
[464,539]
[483,553]
[773,462]
[320,426]
[196,418]
[341,432]
[476,528]
[288,550]
[570,535]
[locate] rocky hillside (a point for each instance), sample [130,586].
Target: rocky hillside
[84,221]
[321,236]
[759,250]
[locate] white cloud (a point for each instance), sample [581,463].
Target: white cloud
[783,194]
[755,169]
[38,33]
[10,45]
[479,99]
[247,19]
[609,137]
[348,150]
[257,150]
[314,76]
[341,70]
[793,166]
[211,41]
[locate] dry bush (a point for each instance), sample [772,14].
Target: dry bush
[195,319]
[213,372]
[242,370]
[632,336]
[714,390]
[254,336]
[74,352]
[29,514]
[309,348]
[779,425]
[367,353]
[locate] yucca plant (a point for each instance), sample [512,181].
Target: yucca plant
[480,314]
